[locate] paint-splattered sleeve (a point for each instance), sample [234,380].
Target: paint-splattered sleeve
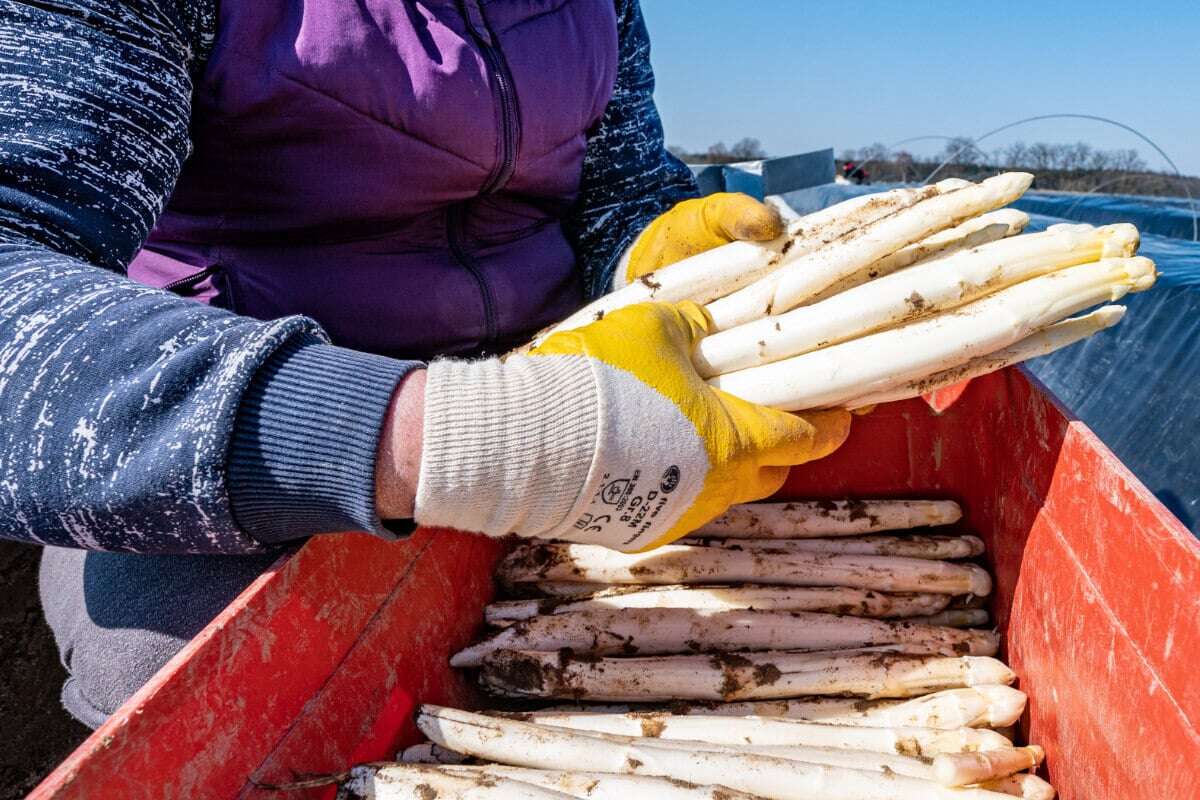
[629,177]
[124,408]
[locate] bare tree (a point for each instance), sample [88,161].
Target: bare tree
[747,149]
[875,152]
[1128,161]
[963,150]
[718,153]
[1041,156]
[1016,155]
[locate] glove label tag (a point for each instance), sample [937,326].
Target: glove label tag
[619,509]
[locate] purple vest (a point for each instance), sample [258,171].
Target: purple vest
[396,170]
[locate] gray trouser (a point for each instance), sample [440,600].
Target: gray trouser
[117,618]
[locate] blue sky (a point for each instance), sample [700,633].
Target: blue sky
[802,75]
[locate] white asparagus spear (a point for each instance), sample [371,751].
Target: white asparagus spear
[664,631]
[955,618]
[963,769]
[1023,785]
[429,753]
[822,518]
[880,361]
[424,782]
[974,232]
[684,564]
[701,278]
[715,273]
[920,291]
[876,760]
[772,731]
[972,707]
[869,760]
[1043,342]
[543,747]
[607,786]
[829,600]
[734,676]
[802,278]
[569,589]
[866,760]
[995,764]
[934,548]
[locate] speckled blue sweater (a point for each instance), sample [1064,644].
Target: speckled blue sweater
[136,420]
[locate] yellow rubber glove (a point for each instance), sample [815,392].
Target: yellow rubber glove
[674,452]
[694,226]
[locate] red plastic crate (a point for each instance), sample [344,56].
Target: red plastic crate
[318,664]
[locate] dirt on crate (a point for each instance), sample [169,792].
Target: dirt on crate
[38,732]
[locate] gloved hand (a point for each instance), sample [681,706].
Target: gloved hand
[604,434]
[694,226]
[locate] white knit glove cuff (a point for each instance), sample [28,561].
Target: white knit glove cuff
[507,445]
[556,446]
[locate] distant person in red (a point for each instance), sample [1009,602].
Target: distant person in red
[852,172]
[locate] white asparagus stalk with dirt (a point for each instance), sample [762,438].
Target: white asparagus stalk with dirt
[825,518]
[423,782]
[1023,785]
[935,548]
[829,600]
[880,361]
[963,769]
[734,676]
[531,562]
[871,761]
[955,618]
[666,631]
[988,706]
[772,731]
[715,273]
[606,786]
[865,760]
[429,753]
[566,590]
[1043,342]
[804,277]
[543,747]
[914,293]
[975,232]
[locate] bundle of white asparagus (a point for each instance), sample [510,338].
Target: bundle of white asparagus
[891,295]
[789,650]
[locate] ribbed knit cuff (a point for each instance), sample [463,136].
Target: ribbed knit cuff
[507,446]
[302,457]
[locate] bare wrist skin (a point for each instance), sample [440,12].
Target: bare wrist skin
[398,461]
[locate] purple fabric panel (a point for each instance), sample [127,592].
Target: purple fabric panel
[332,139]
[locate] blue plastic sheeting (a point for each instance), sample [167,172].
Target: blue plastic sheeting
[1136,385]
[1157,215]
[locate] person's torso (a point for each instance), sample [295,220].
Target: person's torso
[396,170]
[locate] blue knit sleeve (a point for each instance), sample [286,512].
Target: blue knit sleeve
[629,178]
[120,403]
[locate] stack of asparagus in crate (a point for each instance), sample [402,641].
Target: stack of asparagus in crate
[891,295]
[786,650]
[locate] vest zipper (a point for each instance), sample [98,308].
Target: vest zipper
[509,133]
[454,236]
[502,79]
[187,284]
